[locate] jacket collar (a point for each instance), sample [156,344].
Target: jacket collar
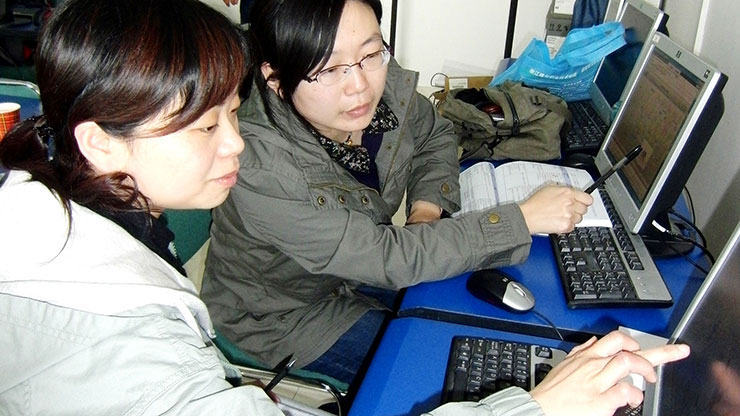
[94,266]
[400,86]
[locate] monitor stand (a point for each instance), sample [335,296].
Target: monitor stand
[661,244]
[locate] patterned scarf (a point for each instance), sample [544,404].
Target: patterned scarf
[357,158]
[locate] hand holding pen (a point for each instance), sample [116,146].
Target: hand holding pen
[619,165]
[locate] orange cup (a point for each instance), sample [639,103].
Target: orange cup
[10,113]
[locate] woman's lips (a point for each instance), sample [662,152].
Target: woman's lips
[359,111]
[228,180]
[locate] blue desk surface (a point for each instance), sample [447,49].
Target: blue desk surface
[449,300]
[408,368]
[29,106]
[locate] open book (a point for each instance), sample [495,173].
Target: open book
[483,186]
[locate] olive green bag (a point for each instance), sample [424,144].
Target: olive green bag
[507,121]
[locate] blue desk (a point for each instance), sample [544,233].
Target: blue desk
[449,300]
[29,106]
[408,368]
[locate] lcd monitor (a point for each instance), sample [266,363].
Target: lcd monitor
[671,110]
[640,20]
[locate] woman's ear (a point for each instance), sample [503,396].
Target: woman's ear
[273,83]
[105,153]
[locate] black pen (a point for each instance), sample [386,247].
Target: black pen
[627,159]
[282,370]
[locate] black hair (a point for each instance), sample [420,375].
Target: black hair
[294,37]
[121,63]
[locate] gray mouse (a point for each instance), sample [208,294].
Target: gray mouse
[498,288]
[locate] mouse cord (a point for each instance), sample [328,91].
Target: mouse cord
[544,318]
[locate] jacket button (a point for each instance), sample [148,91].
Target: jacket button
[335,293]
[365,200]
[403,103]
[321,200]
[341,199]
[445,188]
[494,218]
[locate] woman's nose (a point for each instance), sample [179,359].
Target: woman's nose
[232,144]
[357,80]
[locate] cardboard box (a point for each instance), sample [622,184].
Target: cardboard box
[452,83]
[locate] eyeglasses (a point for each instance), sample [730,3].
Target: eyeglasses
[338,73]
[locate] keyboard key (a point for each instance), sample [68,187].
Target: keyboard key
[504,364]
[596,264]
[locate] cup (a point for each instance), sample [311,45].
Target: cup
[10,113]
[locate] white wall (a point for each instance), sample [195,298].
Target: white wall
[715,183]
[683,20]
[460,37]
[232,11]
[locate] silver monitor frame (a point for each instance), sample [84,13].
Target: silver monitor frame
[599,101]
[637,218]
[726,265]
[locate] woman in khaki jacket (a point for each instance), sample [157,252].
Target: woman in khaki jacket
[335,134]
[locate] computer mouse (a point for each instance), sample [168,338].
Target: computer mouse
[581,161]
[499,289]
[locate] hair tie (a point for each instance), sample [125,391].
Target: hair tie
[45,135]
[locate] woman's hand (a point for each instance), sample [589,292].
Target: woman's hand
[231,2]
[555,209]
[423,211]
[589,381]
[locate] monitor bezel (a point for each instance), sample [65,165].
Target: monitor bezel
[636,218]
[599,101]
[726,262]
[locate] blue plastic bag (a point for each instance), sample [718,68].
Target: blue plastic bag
[570,73]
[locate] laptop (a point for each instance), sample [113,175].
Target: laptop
[592,117]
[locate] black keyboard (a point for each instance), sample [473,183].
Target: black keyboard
[478,367]
[629,411]
[587,130]
[608,267]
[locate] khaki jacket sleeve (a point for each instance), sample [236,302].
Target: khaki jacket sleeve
[324,239]
[434,167]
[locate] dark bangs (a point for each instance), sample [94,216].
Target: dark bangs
[294,37]
[178,62]
[204,70]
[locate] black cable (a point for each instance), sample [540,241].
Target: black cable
[697,244]
[690,223]
[693,263]
[688,259]
[544,318]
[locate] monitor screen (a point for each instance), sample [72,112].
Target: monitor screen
[640,21]
[671,111]
[710,327]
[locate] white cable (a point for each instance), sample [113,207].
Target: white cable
[660,227]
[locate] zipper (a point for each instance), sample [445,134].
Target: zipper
[514,115]
[401,132]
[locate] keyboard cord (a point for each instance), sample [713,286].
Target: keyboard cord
[665,234]
[544,318]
